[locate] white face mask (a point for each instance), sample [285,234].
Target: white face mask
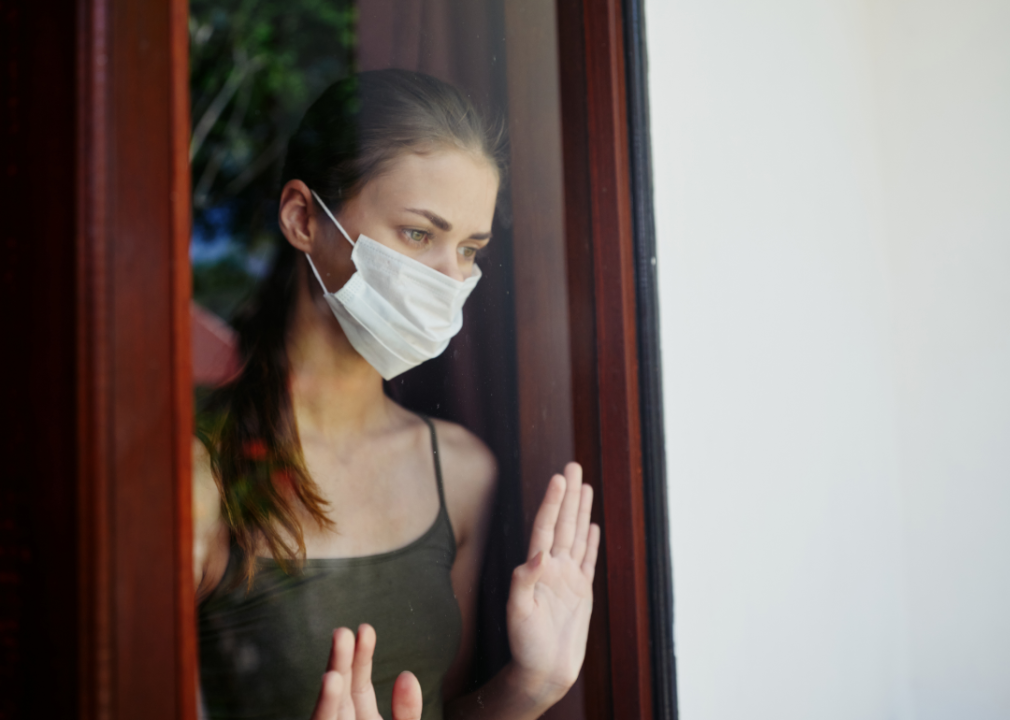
[396,311]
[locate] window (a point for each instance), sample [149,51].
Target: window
[566,364]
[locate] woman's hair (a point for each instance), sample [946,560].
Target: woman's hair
[356,129]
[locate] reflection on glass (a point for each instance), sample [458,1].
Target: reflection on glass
[362,437]
[254,68]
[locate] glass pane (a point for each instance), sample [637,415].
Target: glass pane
[256,69]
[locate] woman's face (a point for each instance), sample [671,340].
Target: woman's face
[436,208]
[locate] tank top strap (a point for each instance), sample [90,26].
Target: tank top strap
[438,462]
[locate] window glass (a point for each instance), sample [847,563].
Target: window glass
[256,69]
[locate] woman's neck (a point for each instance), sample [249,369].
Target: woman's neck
[334,391]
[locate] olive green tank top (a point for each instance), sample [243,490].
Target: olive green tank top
[263,651]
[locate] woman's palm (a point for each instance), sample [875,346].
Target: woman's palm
[552,593]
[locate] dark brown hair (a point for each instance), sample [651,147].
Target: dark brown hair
[350,135]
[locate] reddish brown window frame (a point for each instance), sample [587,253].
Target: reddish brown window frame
[129,405]
[138,639]
[600,239]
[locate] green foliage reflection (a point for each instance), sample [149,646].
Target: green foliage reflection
[255,66]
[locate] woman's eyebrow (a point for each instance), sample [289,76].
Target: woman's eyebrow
[440,222]
[444,225]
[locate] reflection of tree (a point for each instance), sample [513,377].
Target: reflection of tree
[255,66]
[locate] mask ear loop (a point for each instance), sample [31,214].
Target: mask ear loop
[335,221]
[342,232]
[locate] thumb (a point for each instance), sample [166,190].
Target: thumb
[407,700]
[525,577]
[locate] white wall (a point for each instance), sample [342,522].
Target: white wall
[943,99]
[833,212]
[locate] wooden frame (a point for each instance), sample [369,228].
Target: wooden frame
[600,241]
[136,613]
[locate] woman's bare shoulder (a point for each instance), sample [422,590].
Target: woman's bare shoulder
[210,531]
[206,496]
[469,475]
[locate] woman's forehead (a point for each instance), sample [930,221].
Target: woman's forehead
[450,178]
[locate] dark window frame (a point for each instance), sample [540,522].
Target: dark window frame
[650,370]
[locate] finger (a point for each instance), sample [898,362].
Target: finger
[343,658]
[362,691]
[582,527]
[361,666]
[592,550]
[331,694]
[331,662]
[524,578]
[407,699]
[343,652]
[542,537]
[338,651]
[564,533]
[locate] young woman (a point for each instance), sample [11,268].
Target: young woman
[323,504]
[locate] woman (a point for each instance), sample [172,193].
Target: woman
[321,503]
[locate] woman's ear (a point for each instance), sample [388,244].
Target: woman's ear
[297,217]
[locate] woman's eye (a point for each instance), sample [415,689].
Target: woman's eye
[416,235]
[469,253]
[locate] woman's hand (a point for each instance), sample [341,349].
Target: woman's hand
[347,692]
[552,593]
